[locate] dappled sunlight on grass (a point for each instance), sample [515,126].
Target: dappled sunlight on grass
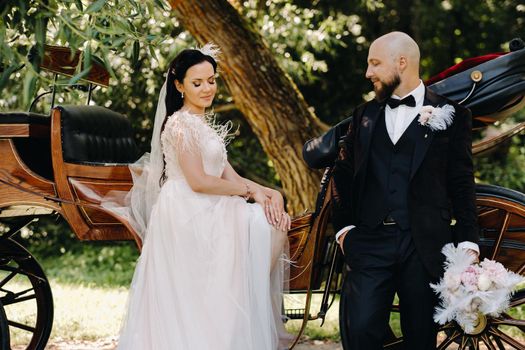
[81,313]
[330,328]
[84,312]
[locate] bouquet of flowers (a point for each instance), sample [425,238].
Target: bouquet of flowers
[467,290]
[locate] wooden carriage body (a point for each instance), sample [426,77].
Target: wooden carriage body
[44,177]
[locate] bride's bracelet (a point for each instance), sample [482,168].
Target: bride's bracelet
[248,194]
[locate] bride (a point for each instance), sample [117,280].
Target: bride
[210,275]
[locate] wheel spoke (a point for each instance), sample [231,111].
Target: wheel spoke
[18,300]
[487,211]
[447,326]
[393,344]
[21,326]
[475,344]
[8,278]
[502,231]
[448,340]
[517,302]
[499,335]
[464,342]
[499,343]
[23,272]
[488,342]
[509,322]
[521,269]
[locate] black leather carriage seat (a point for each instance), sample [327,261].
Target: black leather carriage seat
[34,149]
[96,135]
[24,118]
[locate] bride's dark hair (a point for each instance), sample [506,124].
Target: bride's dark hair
[177,71]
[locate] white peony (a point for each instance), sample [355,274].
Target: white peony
[484,282]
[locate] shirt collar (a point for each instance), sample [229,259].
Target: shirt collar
[418,93]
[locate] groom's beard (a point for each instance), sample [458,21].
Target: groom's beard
[386,89]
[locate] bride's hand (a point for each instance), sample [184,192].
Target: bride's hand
[274,209]
[259,197]
[284,222]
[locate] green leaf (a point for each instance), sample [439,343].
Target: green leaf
[107,62]
[79,76]
[152,52]
[78,4]
[118,41]
[4,78]
[136,52]
[110,30]
[40,36]
[86,57]
[96,6]
[159,4]
[29,87]
[132,27]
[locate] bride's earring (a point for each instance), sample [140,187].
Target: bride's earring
[182,95]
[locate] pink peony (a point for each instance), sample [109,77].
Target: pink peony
[469,278]
[495,271]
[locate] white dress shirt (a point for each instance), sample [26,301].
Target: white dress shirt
[397,121]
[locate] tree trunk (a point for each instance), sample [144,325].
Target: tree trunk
[262,91]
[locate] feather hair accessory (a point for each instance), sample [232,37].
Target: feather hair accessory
[210,49]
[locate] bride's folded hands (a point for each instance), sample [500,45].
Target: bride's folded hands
[271,200]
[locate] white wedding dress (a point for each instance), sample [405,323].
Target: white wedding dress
[210,275]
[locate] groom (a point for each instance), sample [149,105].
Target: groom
[406,176]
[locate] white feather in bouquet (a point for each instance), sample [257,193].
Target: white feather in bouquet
[467,289]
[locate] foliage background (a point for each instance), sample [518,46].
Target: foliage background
[322,45]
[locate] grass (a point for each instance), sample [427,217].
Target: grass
[85,312]
[80,313]
[314,331]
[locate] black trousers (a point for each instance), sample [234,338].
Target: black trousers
[383,261]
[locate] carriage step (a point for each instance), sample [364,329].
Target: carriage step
[295,314]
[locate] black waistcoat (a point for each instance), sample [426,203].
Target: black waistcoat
[388,177]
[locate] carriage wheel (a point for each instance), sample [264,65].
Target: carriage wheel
[25,295]
[501,218]
[4,330]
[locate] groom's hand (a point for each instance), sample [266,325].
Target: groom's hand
[474,254]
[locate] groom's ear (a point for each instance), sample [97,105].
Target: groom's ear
[402,64]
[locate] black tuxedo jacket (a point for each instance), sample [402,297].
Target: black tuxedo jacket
[441,180]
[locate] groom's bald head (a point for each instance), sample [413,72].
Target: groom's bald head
[398,45]
[393,60]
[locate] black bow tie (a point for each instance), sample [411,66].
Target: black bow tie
[410,101]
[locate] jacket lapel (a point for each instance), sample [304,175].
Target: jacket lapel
[424,134]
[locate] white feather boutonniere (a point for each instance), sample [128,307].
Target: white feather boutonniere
[436,118]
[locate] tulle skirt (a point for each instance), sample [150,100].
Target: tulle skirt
[210,276]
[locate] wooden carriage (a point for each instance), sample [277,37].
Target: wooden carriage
[67,161]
